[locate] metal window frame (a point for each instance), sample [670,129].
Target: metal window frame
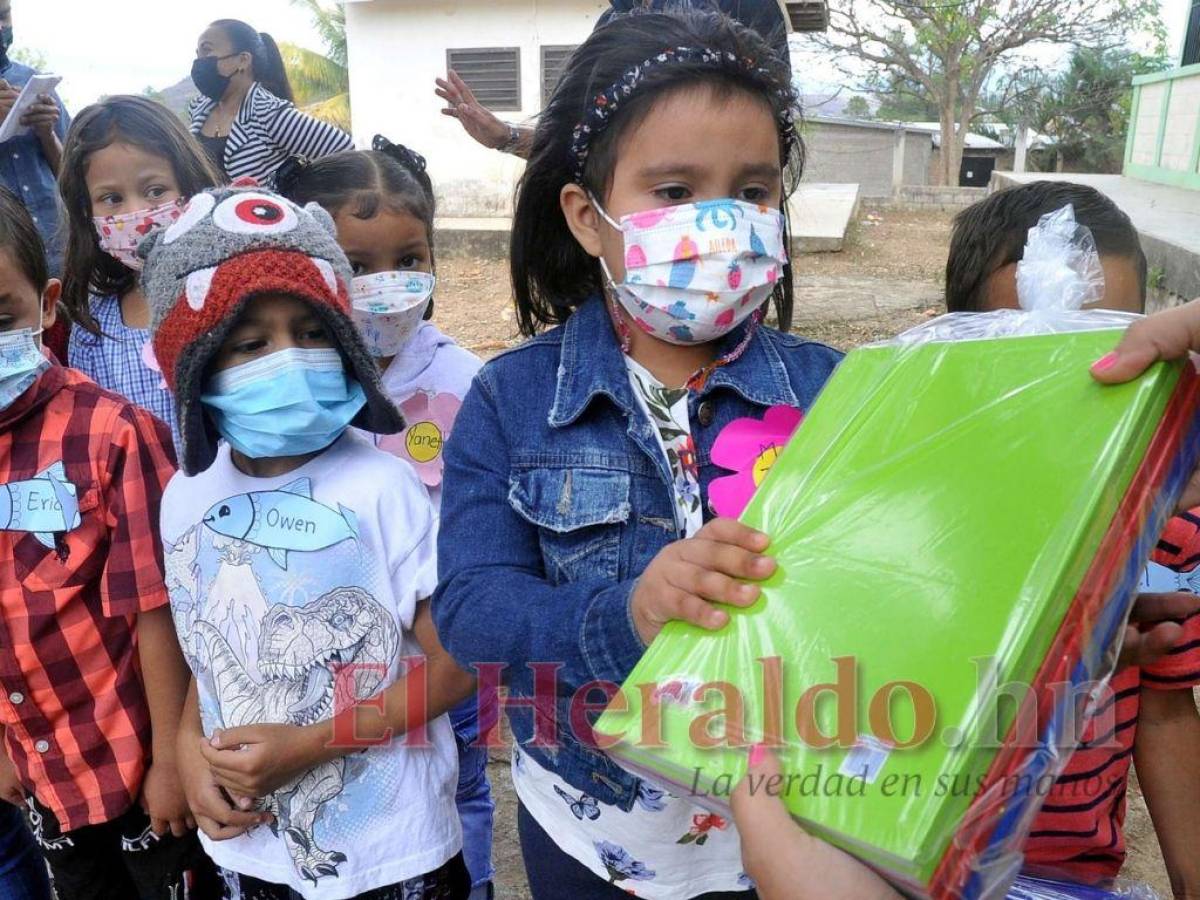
[495,105]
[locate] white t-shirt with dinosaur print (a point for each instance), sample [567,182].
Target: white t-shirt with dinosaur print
[278,583]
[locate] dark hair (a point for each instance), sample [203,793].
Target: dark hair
[991,234]
[551,273]
[20,237]
[87,269]
[362,181]
[269,70]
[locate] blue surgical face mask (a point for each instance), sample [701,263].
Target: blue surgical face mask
[21,361]
[289,403]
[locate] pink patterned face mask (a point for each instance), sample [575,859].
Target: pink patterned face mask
[694,272]
[120,235]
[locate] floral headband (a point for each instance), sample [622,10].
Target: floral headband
[607,103]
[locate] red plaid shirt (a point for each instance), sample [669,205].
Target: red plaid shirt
[74,711]
[1079,831]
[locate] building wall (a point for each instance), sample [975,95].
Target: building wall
[1163,143]
[863,155]
[398,47]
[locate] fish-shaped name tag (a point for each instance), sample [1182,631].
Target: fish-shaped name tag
[44,505]
[282,521]
[1161,580]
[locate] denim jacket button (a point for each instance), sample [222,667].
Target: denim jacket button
[705,414]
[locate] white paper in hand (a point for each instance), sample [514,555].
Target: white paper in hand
[11,127]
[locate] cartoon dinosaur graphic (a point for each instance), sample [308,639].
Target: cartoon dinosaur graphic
[301,649]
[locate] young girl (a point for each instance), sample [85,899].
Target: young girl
[301,557]
[383,204]
[128,165]
[649,226]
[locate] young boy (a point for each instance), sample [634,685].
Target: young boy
[1078,833]
[91,673]
[301,560]
[989,240]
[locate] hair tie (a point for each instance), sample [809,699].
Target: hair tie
[410,159]
[288,175]
[605,104]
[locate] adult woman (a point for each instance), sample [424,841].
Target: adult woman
[245,117]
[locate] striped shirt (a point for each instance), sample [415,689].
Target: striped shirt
[118,360]
[1078,832]
[83,474]
[267,131]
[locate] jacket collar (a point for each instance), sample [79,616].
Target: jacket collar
[591,365]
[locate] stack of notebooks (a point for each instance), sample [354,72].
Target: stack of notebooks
[959,526]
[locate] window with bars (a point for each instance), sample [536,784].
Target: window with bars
[554,60]
[1191,39]
[492,73]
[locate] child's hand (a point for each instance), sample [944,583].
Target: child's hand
[216,815]
[688,576]
[164,801]
[785,861]
[11,789]
[255,760]
[1154,627]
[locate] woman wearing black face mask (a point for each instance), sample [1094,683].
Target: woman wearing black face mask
[244,115]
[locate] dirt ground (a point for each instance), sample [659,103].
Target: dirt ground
[887,278]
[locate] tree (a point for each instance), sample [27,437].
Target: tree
[1087,107]
[952,48]
[321,83]
[857,108]
[35,59]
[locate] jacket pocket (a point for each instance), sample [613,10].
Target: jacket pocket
[579,514]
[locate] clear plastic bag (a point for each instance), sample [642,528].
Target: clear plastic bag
[1032,887]
[964,511]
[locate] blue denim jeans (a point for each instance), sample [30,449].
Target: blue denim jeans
[22,869]
[475,811]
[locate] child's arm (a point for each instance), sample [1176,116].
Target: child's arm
[213,812]
[165,678]
[254,760]
[1167,756]
[11,789]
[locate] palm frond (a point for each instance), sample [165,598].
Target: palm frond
[330,23]
[334,110]
[314,77]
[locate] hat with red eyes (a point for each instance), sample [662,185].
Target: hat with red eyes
[229,246]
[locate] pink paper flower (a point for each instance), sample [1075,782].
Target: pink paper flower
[749,447]
[429,420]
[151,362]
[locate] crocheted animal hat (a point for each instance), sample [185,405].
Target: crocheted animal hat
[229,246]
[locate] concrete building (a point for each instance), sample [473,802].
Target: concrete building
[981,156]
[509,51]
[878,156]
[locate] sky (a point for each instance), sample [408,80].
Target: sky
[104,47]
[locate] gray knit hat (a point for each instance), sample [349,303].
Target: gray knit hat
[229,246]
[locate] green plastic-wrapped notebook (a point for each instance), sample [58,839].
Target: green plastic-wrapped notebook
[933,519]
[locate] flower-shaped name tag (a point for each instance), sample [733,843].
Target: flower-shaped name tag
[429,419]
[749,447]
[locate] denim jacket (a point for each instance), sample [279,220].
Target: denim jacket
[557,496]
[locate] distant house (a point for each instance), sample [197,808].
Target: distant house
[509,51]
[981,156]
[877,156]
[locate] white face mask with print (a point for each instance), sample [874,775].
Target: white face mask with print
[696,271]
[388,308]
